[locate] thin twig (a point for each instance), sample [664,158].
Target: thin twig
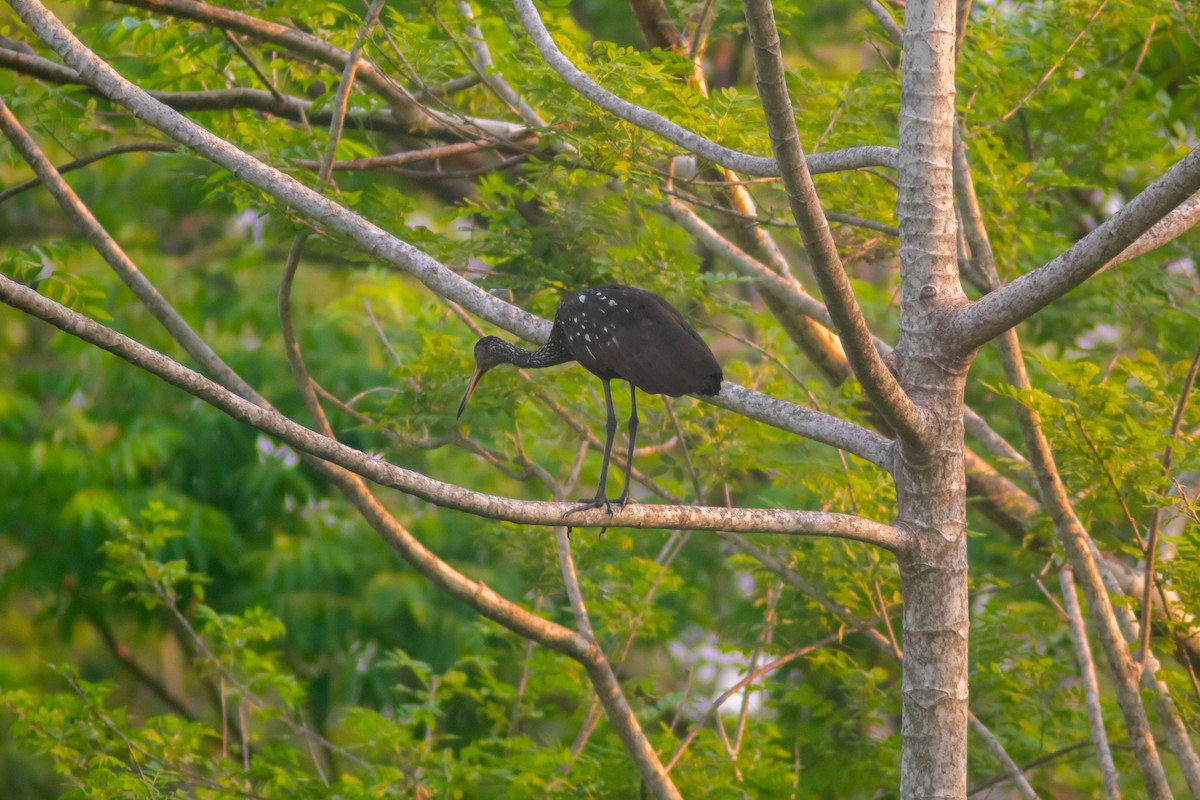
[1111,116]
[750,678]
[116,150]
[254,67]
[1155,519]
[341,104]
[1091,688]
[1053,68]
[887,621]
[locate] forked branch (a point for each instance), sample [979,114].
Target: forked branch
[1004,308]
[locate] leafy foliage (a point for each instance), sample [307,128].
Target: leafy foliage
[188,610]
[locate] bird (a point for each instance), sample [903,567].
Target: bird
[615,333]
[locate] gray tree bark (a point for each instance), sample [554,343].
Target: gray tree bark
[930,480]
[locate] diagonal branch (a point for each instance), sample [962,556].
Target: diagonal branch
[878,382]
[448,495]
[286,107]
[1070,530]
[758,166]
[1091,689]
[91,158]
[404,106]
[1185,217]
[126,270]
[1015,302]
[996,748]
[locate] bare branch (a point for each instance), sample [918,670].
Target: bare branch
[730,159]
[997,750]
[1091,689]
[91,158]
[393,160]
[994,313]
[1185,217]
[36,66]
[878,382]
[884,17]
[608,688]
[784,287]
[805,422]
[252,64]
[486,68]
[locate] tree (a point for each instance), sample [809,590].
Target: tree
[561,159]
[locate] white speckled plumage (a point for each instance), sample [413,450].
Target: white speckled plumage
[627,333]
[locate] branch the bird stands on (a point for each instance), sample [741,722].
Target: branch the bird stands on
[615,332]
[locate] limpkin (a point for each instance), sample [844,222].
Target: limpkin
[615,332]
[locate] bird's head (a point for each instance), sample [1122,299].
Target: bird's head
[489,351]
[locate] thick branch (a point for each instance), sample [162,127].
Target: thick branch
[636,115]
[805,422]
[878,382]
[443,494]
[1171,227]
[995,313]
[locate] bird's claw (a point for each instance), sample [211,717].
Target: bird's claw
[588,505]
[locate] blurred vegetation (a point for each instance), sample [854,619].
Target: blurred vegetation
[186,609]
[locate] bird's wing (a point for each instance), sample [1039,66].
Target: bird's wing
[661,359]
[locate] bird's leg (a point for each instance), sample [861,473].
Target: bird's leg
[633,426]
[610,430]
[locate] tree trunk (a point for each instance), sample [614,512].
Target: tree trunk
[930,478]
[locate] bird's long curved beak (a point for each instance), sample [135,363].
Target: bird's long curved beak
[470,390]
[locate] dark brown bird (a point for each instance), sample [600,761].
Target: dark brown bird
[615,332]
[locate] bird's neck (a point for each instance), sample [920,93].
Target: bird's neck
[549,354]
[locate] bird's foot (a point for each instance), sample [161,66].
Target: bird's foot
[588,505]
